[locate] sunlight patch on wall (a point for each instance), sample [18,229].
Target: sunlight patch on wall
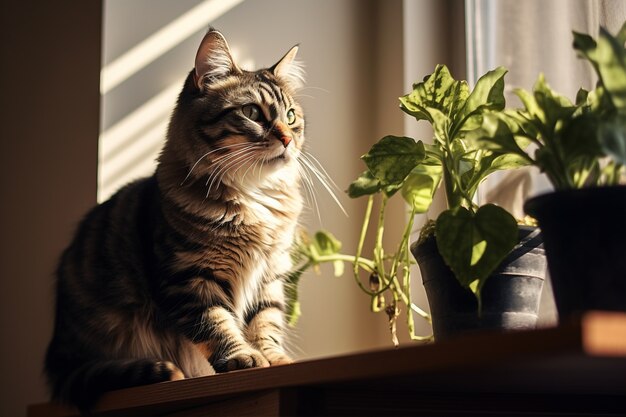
[161,41]
[128,149]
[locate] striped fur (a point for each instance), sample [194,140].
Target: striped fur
[180,274]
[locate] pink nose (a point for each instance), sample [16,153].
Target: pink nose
[285,140]
[280,131]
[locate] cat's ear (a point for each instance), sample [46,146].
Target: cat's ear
[289,69]
[213,59]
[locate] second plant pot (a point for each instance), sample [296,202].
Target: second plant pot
[585,237]
[510,297]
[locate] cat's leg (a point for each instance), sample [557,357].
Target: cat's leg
[265,323]
[200,308]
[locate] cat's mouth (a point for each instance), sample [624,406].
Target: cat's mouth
[284,156]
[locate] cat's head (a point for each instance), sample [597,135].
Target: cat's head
[236,127]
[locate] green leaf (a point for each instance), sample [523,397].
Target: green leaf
[496,135]
[579,139]
[554,107]
[584,43]
[531,106]
[392,158]
[487,94]
[326,244]
[390,190]
[612,68]
[438,91]
[293,312]
[292,305]
[612,138]
[473,245]
[505,162]
[420,186]
[608,57]
[581,96]
[366,184]
[454,231]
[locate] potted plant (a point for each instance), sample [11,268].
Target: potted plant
[467,243]
[482,248]
[581,147]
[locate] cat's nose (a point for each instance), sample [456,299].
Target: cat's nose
[281,132]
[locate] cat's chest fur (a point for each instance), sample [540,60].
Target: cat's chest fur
[246,238]
[271,217]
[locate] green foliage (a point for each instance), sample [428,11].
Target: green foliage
[459,156]
[472,240]
[574,144]
[392,159]
[420,185]
[577,144]
[309,253]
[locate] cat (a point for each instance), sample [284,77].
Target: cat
[181,274]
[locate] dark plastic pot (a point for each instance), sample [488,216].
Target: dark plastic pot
[510,296]
[585,239]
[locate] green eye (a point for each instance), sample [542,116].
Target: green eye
[252,112]
[291,116]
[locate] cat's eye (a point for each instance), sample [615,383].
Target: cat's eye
[252,112]
[291,116]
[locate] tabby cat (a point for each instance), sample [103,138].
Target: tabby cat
[181,274]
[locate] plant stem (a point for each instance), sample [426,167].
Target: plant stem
[403,247]
[359,249]
[366,221]
[364,263]
[379,252]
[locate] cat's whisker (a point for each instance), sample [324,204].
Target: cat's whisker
[224,166]
[309,87]
[221,148]
[305,95]
[258,165]
[223,159]
[318,168]
[242,164]
[310,189]
[251,166]
[324,181]
[227,165]
[263,161]
[312,158]
[235,166]
[299,94]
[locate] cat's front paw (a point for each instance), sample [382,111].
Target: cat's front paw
[281,361]
[278,359]
[241,360]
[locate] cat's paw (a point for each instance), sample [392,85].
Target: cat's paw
[281,361]
[278,359]
[241,360]
[169,371]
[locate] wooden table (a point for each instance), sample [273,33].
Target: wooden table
[577,369]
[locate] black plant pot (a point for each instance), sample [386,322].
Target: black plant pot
[510,296]
[585,239]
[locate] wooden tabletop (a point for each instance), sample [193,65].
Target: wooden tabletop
[586,355]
